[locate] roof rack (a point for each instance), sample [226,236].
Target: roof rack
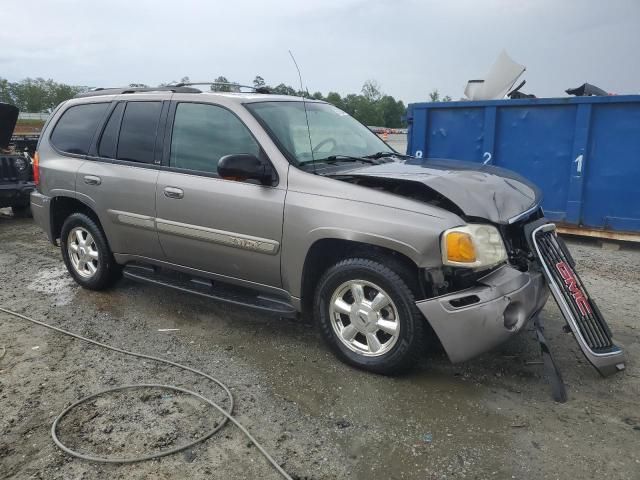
[123,90]
[225,84]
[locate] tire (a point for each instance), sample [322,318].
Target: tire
[22,211]
[398,352]
[83,242]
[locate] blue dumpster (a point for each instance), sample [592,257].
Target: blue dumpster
[583,152]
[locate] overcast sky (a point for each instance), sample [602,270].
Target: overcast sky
[409,46]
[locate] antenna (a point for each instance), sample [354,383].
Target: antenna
[306,114]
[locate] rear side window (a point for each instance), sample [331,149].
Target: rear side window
[202,134]
[138,131]
[77,126]
[109,140]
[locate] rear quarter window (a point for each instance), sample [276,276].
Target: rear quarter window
[78,124]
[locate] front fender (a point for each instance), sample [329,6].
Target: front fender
[322,233]
[309,219]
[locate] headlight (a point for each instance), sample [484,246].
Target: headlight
[473,246]
[21,164]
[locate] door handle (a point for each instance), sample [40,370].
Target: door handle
[173,192]
[92,180]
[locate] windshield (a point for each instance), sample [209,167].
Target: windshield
[332,132]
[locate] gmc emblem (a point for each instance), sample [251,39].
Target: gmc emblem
[570,281]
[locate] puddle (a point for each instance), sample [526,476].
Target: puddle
[55,282]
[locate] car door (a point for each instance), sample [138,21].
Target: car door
[230,228]
[119,178]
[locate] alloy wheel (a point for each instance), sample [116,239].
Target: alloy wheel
[364,318]
[83,252]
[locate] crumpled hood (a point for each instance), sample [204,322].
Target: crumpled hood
[8,119]
[483,191]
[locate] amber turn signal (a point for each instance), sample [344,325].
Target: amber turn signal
[460,247]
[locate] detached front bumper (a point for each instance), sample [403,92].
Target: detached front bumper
[475,320]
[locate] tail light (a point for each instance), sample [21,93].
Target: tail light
[36,169]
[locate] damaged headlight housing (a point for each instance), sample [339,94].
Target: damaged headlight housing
[473,246]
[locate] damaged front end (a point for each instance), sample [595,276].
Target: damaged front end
[473,310]
[474,320]
[470,190]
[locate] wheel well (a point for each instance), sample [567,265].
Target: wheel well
[327,252]
[62,207]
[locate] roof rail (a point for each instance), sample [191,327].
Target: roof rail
[123,90]
[225,84]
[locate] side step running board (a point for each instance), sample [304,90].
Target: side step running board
[218,291]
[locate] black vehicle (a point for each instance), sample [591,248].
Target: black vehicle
[16,172]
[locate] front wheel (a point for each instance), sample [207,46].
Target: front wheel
[367,315]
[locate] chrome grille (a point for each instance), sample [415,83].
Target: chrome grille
[584,312]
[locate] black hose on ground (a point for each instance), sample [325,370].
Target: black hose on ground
[228,414]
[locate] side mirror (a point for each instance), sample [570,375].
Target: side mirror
[244,166]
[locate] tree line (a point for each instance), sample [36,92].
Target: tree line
[36,95]
[371,106]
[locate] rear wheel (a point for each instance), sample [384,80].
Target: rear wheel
[367,315]
[86,253]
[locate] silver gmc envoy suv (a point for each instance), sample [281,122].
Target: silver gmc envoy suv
[290,205]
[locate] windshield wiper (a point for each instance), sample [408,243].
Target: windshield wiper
[341,158]
[387,155]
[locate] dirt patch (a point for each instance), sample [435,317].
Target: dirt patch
[490,418]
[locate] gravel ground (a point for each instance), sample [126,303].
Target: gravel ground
[489,418]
